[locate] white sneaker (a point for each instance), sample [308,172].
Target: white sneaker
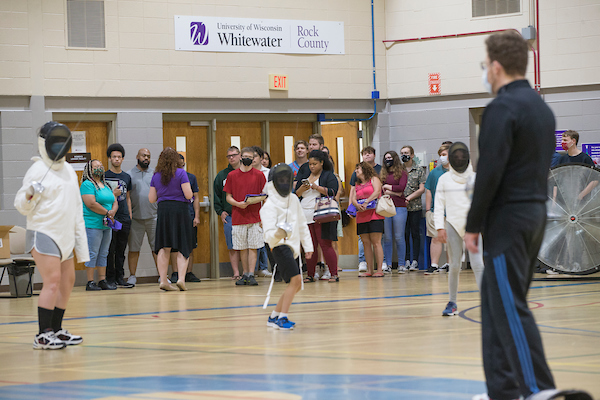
[326,276]
[132,280]
[362,266]
[551,272]
[265,273]
[48,341]
[68,338]
[316,275]
[445,268]
[401,269]
[414,266]
[385,268]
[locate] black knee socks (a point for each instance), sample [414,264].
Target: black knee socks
[45,319]
[57,318]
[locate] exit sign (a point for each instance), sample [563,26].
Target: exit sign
[434,83]
[278,82]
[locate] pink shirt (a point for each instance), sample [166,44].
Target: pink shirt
[363,191]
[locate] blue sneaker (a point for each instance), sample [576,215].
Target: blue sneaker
[272,322]
[451,309]
[285,324]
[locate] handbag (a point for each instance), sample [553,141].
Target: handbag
[351,210]
[385,206]
[326,210]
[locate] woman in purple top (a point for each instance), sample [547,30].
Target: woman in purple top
[394,178]
[170,187]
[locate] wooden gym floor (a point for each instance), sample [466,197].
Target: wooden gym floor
[367,338]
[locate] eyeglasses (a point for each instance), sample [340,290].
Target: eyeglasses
[232,155]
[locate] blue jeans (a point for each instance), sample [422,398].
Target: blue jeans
[361,250]
[227,228]
[394,226]
[98,245]
[262,261]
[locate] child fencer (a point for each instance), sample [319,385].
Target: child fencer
[452,204]
[284,229]
[51,201]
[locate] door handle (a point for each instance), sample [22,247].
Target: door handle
[205,203]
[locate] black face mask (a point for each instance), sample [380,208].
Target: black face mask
[247,161]
[405,158]
[144,164]
[388,163]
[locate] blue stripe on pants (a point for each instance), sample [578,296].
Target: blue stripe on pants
[514,323]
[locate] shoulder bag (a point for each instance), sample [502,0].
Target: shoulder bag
[385,206]
[326,210]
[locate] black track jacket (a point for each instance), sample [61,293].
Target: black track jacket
[516,144]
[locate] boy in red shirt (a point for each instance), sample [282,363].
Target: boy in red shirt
[247,233]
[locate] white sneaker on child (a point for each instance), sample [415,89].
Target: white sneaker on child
[362,266]
[326,276]
[132,280]
[385,268]
[414,266]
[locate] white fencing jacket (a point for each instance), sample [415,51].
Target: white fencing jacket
[278,209]
[452,199]
[58,212]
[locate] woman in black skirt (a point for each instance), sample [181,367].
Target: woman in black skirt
[170,187]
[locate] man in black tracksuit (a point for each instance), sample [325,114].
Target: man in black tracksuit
[516,145]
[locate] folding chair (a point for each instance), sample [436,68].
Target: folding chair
[18,262]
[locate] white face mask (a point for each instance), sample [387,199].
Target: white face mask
[444,160]
[484,80]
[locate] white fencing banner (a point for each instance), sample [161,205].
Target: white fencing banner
[246,35]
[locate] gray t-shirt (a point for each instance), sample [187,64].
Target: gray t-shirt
[140,187]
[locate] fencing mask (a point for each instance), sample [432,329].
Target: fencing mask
[283,179]
[54,142]
[459,158]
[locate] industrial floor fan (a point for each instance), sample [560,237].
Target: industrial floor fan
[572,239]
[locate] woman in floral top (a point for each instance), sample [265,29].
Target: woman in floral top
[415,187]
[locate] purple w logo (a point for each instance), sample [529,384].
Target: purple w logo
[198,33]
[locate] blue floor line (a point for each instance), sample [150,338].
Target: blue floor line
[307,386]
[295,303]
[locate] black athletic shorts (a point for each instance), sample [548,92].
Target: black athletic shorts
[287,266]
[374,226]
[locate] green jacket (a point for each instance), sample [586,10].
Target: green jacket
[220,197]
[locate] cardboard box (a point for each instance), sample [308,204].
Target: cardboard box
[5,241]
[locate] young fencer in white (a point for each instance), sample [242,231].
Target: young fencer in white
[51,201]
[452,204]
[284,229]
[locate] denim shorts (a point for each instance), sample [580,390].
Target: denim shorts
[98,245]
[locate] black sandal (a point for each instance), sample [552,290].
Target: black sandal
[309,279]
